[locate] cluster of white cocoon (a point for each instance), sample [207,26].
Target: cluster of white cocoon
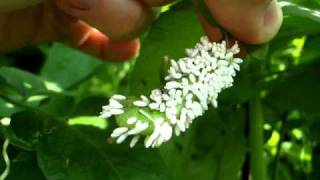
[192,83]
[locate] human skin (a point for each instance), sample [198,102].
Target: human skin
[109,28]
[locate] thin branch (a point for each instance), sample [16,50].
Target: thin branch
[6,159]
[257,162]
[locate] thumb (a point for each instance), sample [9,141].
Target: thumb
[251,21]
[118,19]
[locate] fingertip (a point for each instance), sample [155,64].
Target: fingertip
[252,23]
[214,33]
[93,43]
[118,19]
[122,19]
[80,32]
[121,50]
[272,21]
[99,45]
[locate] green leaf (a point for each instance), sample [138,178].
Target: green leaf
[27,128]
[89,121]
[82,152]
[216,151]
[283,172]
[67,154]
[313,127]
[315,174]
[292,9]
[137,163]
[23,82]
[67,67]
[24,166]
[244,86]
[170,35]
[70,152]
[311,48]
[298,90]
[59,105]
[90,106]
[226,137]
[7,109]
[298,20]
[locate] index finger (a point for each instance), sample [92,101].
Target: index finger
[10,5]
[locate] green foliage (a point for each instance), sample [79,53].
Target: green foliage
[61,63]
[304,80]
[55,132]
[24,83]
[170,35]
[24,166]
[86,158]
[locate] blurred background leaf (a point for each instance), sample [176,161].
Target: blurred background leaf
[67,67]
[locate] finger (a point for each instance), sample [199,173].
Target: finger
[94,42]
[10,5]
[251,21]
[215,34]
[118,19]
[121,50]
[156,2]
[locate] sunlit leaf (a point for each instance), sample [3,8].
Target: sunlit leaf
[25,83]
[67,67]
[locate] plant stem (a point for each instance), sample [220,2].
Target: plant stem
[6,159]
[257,162]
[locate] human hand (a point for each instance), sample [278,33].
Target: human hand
[252,21]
